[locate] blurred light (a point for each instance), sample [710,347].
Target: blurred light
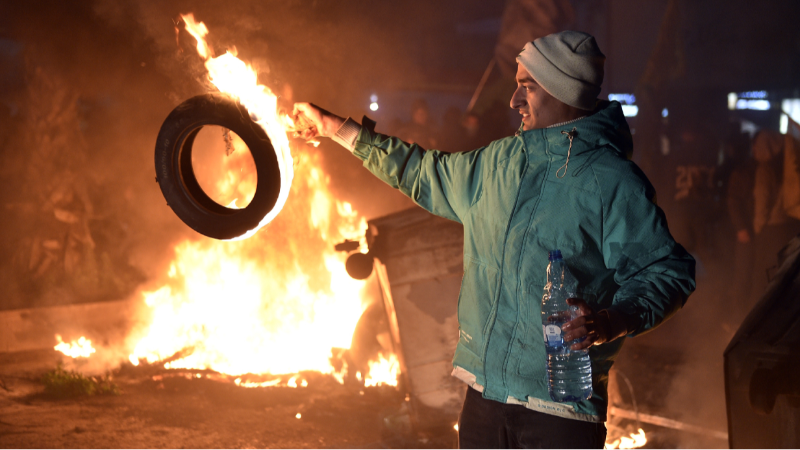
[665,112]
[625,99]
[732,97]
[373,98]
[298,415]
[455,427]
[753,94]
[373,106]
[756,105]
[790,108]
[630,110]
[749,128]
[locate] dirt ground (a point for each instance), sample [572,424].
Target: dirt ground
[156,408]
[674,372]
[179,410]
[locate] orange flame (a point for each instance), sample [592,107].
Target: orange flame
[277,303]
[82,348]
[383,372]
[635,440]
[233,76]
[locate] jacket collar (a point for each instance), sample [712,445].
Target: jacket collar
[604,127]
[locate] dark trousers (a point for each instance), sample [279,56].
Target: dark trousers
[490,424]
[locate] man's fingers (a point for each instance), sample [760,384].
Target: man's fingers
[579,303]
[583,327]
[577,333]
[300,107]
[307,110]
[575,323]
[309,133]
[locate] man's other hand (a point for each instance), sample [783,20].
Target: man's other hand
[596,327]
[325,124]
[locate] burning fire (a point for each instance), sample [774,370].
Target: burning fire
[278,302]
[635,440]
[82,348]
[232,76]
[383,372]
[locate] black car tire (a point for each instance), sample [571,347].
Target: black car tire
[176,177]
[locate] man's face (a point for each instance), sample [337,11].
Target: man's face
[538,108]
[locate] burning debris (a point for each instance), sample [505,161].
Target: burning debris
[383,372]
[82,348]
[232,76]
[258,311]
[635,440]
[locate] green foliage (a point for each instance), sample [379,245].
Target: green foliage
[62,383]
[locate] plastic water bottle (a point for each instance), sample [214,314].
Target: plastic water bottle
[569,371]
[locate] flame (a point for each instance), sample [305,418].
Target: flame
[252,384]
[383,372]
[82,348]
[234,77]
[635,440]
[274,304]
[277,303]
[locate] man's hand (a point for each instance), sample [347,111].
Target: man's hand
[597,328]
[324,123]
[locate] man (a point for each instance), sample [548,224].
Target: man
[562,182]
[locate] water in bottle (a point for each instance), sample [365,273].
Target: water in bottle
[569,371]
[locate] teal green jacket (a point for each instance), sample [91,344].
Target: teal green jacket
[601,214]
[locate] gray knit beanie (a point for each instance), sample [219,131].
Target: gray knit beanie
[568,65]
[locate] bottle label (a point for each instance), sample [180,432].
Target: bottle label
[552,335]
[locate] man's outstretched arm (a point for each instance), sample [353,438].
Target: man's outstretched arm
[444,184]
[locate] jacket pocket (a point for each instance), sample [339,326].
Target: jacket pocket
[475,304]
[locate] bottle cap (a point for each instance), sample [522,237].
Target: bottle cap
[554,255]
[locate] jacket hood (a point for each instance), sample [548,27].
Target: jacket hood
[604,127]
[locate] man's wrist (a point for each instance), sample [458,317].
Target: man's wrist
[613,324]
[331,123]
[347,133]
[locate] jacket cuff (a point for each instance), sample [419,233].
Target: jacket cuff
[347,133]
[616,326]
